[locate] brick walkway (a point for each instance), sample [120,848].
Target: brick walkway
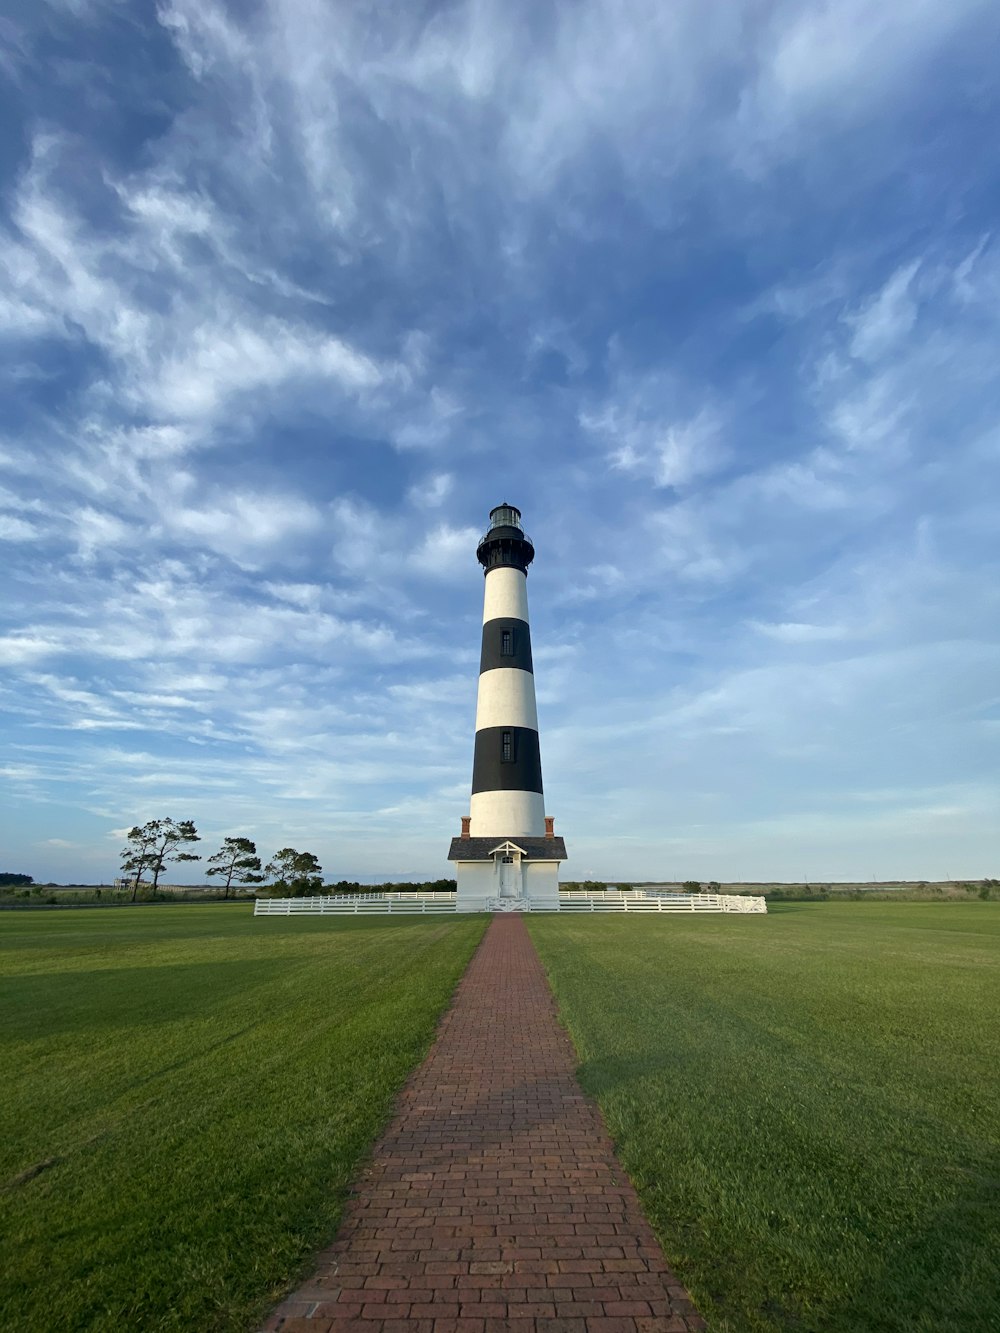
[494,1200]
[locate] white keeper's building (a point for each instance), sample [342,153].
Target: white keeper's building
[507,857]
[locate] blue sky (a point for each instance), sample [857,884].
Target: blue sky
[292,292]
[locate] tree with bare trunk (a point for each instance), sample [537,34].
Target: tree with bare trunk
[150,846]
[237,859]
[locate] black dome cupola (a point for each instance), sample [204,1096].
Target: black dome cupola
[505,541]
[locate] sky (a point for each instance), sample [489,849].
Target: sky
[293,292]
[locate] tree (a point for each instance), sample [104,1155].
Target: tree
[692,886]
[237,859]
[350,886]
[297,874]
[136,854]
[10,880]
[150,846]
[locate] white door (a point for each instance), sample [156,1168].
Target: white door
[510,875]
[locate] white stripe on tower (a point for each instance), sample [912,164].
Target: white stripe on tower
[506,698]
[507,798]
[506,593]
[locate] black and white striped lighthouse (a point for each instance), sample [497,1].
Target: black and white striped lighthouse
[508,851]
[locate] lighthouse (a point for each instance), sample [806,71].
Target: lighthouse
[507,857]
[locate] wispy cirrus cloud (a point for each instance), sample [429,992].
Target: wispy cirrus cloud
[641,443]
[290,296]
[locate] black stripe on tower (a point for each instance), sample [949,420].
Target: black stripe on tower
[506,643]
[507,759]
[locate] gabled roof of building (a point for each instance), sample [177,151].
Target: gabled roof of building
[482,849]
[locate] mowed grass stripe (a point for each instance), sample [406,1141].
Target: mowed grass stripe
[187,1093]
[808,1103]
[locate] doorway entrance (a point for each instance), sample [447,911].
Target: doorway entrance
[510,877]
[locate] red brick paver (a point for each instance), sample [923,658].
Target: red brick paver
[494,1200]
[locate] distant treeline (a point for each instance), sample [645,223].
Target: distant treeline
[426,886]
[920,891]
[22,889]
[16,889]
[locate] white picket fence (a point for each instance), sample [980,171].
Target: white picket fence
[382,904]
[637,901]
[357,904]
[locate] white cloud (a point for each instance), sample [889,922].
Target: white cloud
[170,616]
[361,535]
[308,596]
[870,414]
[598,581]
[836,61]
[212,347]
[642,438]
[688,543]
[14,529]
[887,317]
[483,98]
[219,361]
[428,421]
[96,529]
[447,552]
[819,480]
[791,631]
[25,646]
[106,724]
[243,523]
[171,213]
[432,491]
[972,274]
[443,690]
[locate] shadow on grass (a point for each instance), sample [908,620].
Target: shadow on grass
[49,1004]
[942,1279]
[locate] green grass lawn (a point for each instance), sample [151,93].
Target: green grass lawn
[186,1093]
[808,1102]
